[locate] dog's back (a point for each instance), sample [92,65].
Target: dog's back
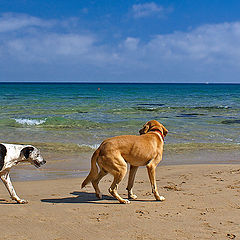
[136,150]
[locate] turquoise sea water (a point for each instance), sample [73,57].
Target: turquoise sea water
[82,115]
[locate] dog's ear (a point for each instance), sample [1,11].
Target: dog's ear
[25,152]
[3,153]
[144,129]
[165,131]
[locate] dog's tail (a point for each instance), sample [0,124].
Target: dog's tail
[94,169]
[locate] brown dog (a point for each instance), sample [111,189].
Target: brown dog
[114,153]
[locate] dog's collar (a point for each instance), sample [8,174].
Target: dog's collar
[158,131]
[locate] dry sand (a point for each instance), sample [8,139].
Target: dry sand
[202,202]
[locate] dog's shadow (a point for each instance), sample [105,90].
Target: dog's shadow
[85,197]
[80,197]
[7,202]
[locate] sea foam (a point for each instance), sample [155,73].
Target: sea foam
[30,122]
[94,146]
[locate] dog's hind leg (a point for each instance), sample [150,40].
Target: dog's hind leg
[118,175]
[132,174]
[95,182]
[7,181]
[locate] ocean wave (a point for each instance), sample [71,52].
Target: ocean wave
[165,108]
[92,147]
[64,147]
[65,123]
[30,122]
[190,115]
[148,109]
[191,147]
[211,107]
[71,147]
[50,122]
[229,121]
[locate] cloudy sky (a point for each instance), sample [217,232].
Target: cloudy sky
[120,41]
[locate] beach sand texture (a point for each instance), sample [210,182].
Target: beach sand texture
[202,202]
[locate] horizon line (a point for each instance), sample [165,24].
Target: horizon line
[74,82]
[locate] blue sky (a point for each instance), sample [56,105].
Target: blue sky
[120,41]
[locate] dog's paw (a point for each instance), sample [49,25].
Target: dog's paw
[160,198]
[132,196]
[125,201]
[99,195]
[22,201]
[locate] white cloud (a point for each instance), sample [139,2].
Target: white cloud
[43,41]
[131,43]
[49,47]
[13,22]
[208,43]
[207,53]
[147,9]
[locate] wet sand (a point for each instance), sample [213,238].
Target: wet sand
[70,160]
[202,202]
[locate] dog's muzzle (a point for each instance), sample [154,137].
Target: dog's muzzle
[38,164]
[141,131]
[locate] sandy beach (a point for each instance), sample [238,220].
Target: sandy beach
[202,202]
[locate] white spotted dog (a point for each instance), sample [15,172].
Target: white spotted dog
[12,154]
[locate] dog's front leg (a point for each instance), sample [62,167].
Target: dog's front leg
[7,181]
[152,177]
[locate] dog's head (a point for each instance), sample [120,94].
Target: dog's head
[32,155]
[151,125]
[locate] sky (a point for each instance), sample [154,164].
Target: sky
[178,41]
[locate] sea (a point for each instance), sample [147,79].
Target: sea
[68,121]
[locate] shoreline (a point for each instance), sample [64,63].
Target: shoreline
[76,162]
[202,202]
[17,174]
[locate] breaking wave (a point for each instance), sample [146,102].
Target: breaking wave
[30,122]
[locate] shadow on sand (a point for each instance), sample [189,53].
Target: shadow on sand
[85,197]
[8,202]
[81,197]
